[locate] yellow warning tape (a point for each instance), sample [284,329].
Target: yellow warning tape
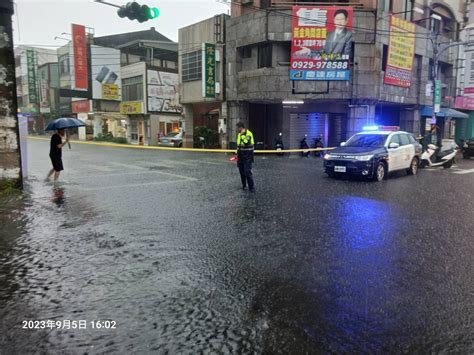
[198,150]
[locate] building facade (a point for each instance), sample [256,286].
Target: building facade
[37,85]
[464,128]
[149,106]
[202,48]
[260,92]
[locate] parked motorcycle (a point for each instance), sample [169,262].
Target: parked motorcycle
[279,144]
[318,143]
[304,145]
[438,156]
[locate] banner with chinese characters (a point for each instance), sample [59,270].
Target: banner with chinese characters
[131,107]
[401,51]
[31,65]
[80,56]
[209,70]
[321,45]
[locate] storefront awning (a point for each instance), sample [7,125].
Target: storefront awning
[445,112]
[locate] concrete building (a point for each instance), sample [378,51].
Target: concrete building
[149,84]
[37,85]
[201,110]
[464,128]
[260,92]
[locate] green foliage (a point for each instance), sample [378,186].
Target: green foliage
[211,137]
[9,187]
[110,138]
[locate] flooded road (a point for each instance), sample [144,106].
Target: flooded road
[168,249]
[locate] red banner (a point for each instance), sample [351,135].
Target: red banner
[321,46]
[80,56]
[80,106]
[464,103]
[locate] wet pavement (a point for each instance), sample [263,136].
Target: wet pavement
[168,249]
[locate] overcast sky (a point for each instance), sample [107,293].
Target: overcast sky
[41,20]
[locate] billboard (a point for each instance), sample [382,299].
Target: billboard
[81,106]
[163,92]
[106,80]
[209,70]
[31,73]
[321,45]
[45,106]
[80,56]
[131,107]
[401,52]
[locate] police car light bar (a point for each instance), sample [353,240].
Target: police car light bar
[380,128]
[370,128]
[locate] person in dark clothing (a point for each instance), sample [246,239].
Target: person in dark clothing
[55,153]
[245,151]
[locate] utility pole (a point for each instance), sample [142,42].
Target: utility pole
[10,152]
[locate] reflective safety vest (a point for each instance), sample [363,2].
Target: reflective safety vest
[245,140]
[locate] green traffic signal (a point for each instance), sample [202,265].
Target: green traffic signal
[135,11]
[153,12]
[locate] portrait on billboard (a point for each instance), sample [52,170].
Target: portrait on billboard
[321,47]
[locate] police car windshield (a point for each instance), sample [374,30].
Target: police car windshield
[367,140]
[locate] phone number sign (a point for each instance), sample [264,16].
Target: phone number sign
[321,46]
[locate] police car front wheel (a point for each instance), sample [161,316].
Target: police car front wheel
[380,172]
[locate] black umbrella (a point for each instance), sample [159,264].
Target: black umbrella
[64,123]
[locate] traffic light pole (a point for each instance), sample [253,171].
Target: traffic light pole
[106,3]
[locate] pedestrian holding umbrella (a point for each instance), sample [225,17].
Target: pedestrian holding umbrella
[64,123]
[60,125]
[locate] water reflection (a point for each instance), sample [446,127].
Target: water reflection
[58,196]
[364,278]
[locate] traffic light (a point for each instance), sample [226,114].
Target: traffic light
[135,11]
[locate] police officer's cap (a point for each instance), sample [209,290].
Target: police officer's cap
[240,125]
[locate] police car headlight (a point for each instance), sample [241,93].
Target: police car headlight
[327,156]
[363,157]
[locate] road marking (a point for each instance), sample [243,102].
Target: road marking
[128,166]
[467,171]
[82,177]
[135,185]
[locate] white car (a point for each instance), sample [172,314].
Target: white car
[374,153]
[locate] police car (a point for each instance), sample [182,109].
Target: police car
[374,153]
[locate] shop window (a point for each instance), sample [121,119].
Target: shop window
[384,57]
[265,55]
[132,88]
[191,66]
[246,52]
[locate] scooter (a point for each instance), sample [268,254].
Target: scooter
[318,143]
[304,145]
[279,144]
[434,156]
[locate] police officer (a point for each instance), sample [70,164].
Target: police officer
[245,145]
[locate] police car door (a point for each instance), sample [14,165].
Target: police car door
[395,154]
[408,150]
